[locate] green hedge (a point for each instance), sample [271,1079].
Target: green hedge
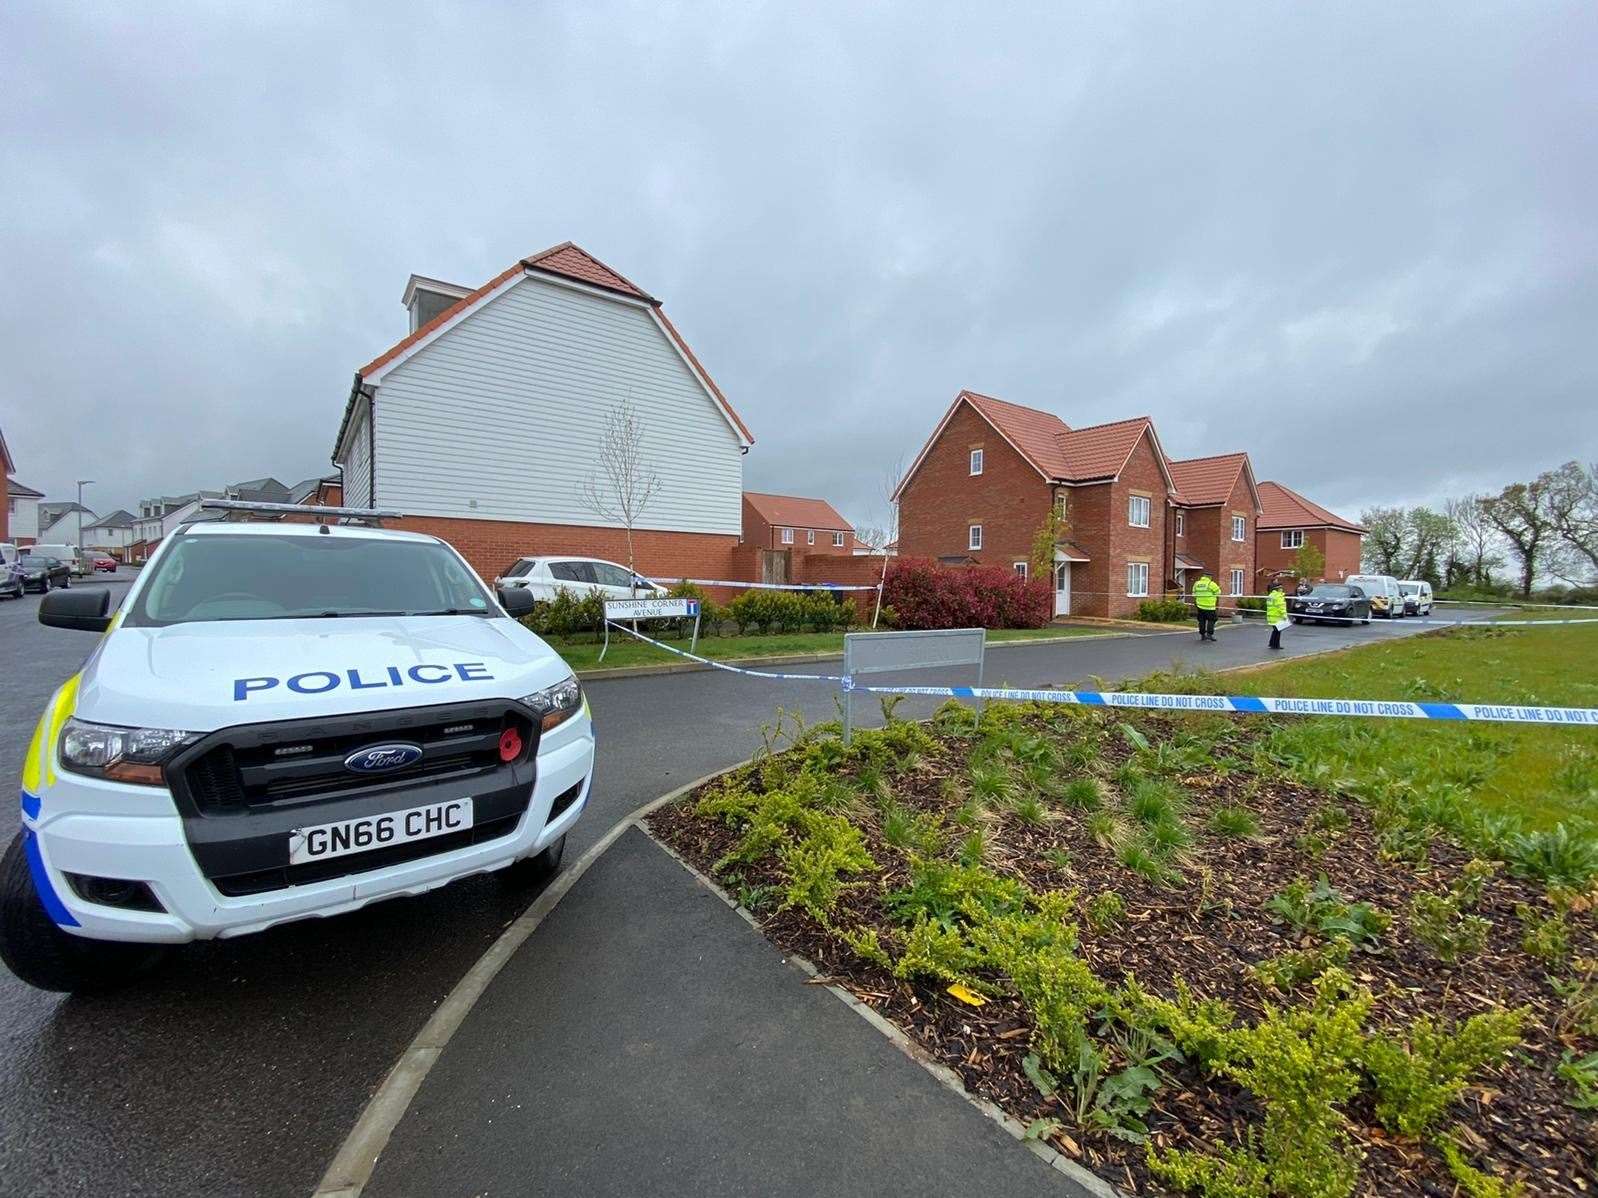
[1163,611]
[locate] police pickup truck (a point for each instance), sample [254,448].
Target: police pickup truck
[283,720]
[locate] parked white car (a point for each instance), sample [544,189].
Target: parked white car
[1387,598]
[543,576]
[76,559]
[1417,596]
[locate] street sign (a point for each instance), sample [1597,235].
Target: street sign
[651,609]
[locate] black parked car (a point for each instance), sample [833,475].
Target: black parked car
[1337,602]
[40,573]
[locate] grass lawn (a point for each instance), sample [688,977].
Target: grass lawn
[1539,775]
[583,654]
[1219,955]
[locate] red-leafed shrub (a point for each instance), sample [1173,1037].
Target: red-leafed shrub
[924,594]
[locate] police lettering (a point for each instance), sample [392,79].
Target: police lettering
[319,682]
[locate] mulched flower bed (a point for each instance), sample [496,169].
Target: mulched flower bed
[1208,928]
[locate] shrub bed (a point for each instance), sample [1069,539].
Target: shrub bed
[1164,611]
[1179,964]
[924,594]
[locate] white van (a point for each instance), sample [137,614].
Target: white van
[1417,596]
[77,561]
[1387,598]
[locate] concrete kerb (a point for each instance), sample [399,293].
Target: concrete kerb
[352,1165]
[1089,1182]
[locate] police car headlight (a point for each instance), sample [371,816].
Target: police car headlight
[556,704]
[122,754]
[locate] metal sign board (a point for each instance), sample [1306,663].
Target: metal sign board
[651,609]
[893,652]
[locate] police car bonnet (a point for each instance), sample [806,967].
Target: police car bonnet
[200,677]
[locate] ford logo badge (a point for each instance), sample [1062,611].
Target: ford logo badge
[377,759]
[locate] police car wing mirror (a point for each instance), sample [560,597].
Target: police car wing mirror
[86,610]
[517,601]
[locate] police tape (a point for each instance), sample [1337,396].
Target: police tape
[721,665]
[1387,709]
[766,586]
[1409,621]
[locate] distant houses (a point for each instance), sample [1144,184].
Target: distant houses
[1131,523]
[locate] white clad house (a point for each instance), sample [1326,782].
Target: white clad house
[112,533]
[61,522]
[22,513]
[484,424]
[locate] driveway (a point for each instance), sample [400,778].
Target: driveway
[241,1067]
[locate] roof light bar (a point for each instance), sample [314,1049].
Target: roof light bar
[370,515]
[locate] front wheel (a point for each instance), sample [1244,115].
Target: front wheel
[44,956]
[534,871]
[66,583]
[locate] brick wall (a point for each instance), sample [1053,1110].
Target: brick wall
[1341,550]
[1209,539]
[1010,499]
[492,545]
[5,513]
[1116,542]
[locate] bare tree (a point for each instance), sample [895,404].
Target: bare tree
[1472,551]
[622,483]
[881,538]
[1573,503]
[1522,512]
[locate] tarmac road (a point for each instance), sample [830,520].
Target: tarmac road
[240,1067]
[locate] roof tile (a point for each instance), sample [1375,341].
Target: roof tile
[1203,481]
[795,511]
[1286,508]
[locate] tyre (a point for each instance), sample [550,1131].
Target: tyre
[44,956]
[534,871]
[66,583]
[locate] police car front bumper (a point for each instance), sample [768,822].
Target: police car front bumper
[100,829]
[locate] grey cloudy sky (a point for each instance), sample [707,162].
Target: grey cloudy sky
[1357,240]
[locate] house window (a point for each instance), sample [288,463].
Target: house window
[1181,524]
[1237,582]
[1020,568]
[787,536]
[976,461]
[1137,578]
[1239,528]
[974,537]
[1137,511]
[810,536]
[837,540]
[1293,538]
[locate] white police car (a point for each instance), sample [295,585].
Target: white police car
[283,721]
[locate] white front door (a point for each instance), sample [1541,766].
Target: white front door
[1062,588]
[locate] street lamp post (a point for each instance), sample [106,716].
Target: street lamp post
[82,482]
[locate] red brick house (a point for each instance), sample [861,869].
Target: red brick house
[484,424]
[785,521]
[983,485]
[1289,520]
[1214,520]
[7,469]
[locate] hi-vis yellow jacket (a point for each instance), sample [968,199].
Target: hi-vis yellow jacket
[1206,593]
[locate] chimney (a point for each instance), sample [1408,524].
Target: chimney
[425,298]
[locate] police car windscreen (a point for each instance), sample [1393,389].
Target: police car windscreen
[222,577]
